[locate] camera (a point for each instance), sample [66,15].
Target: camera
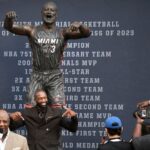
[143,113]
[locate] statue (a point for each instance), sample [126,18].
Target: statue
[47,44]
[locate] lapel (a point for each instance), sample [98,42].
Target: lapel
[51,113]
[33,116]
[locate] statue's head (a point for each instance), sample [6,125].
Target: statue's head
[49,12]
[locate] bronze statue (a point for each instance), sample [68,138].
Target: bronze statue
[47,44]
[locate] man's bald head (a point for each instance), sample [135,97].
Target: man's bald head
[4,115]
[4,121]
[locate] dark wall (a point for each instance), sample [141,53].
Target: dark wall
[105,74]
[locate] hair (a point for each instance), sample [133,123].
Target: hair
[114,131]
[5,112]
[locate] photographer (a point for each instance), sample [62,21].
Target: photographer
[142,116]
[114,141]
[141,132]
[137,132]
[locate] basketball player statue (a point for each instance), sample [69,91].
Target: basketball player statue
[47,44]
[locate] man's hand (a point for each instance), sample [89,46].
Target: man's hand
[103,140]
[69,113]
[11,15]
[16,116]
[143,104]
[138,119]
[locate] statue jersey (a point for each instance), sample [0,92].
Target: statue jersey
[47,49]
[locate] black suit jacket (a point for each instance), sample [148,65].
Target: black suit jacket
[120,145]
[141,143]
[44,134]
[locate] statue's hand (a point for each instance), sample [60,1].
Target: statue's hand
[75,26]
[11,15]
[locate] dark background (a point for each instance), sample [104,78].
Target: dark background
[124,77]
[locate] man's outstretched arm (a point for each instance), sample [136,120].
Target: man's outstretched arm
[16,120]
[69,120]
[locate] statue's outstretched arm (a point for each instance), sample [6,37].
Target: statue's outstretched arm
[76,31]
[12,26]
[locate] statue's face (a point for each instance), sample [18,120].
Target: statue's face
[49,13]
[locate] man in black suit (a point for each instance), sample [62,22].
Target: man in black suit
[113,127]
[44,123]
[141,132]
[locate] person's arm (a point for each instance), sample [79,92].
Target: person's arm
[10,25]
[143,104]
[69,120]
[137,132]
[103,140]
[16,120]
[76,31]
